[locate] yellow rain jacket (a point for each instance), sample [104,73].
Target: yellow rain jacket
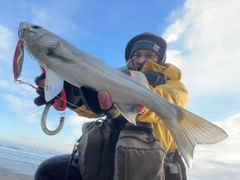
[173,91]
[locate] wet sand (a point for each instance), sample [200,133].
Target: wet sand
[6,174]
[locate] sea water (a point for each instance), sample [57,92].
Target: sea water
[20,159]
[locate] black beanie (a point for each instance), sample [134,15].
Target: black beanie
[147,41]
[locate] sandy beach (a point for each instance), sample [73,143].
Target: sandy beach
[6,174]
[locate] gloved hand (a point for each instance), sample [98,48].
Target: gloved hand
[72,94]
[91,99]
[40,81]
[155,78]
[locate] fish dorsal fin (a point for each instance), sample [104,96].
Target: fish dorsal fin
[53,84]
[137,76]
[128,111]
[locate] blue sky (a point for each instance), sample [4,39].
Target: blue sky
[203,40]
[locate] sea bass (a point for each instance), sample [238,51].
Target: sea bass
[65,62]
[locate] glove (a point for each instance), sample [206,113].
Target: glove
[72,94]
[40,100]
[90,99]
[155,78]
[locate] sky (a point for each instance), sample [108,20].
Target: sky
[203,40]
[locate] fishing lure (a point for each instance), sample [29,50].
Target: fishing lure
[18,59]
[59,104]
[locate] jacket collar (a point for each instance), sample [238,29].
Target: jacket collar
[169,70]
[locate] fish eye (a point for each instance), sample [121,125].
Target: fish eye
[36,27]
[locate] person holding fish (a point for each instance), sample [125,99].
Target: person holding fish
[146,53]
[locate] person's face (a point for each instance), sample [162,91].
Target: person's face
[141,55]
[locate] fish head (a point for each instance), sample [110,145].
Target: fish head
[35,35]
[37,40]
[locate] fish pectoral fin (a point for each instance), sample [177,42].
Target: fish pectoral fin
[191,130]
[61,56]
[128,111]
[53,84]
[137,76]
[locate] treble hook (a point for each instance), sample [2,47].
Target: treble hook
[43,122]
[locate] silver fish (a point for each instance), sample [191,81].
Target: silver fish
[63,61]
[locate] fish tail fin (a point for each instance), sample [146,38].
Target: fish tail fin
[191,130]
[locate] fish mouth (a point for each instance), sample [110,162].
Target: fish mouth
[25,26]
[20,31]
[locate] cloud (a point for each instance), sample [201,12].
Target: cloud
[203,42]
[22,108]
[6,39]
[45,14]
[174,31]
[208,40]
[6,53]
[221,160]
[232,125]
[77,122]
